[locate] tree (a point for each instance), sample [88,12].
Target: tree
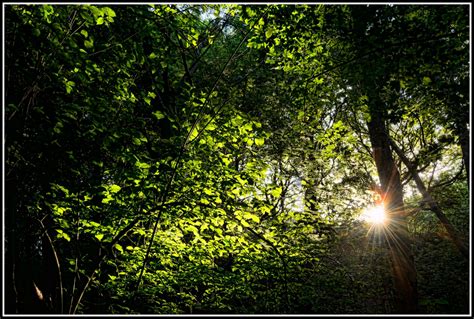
[215,159]
[374,43]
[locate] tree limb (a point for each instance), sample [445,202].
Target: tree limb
[431,202]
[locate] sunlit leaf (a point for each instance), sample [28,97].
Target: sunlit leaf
[114,188]
[88,44]
[276,192]
[118,247]
[158,115]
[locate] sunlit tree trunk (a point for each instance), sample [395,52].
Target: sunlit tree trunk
[370,78]
[399,243]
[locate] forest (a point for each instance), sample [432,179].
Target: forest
[236,159]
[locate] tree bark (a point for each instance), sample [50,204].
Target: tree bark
[396,232]
[434,207]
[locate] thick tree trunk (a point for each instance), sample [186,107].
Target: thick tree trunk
[453,234]
[403,266]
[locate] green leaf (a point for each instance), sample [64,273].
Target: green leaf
[276,192]
[241,181]
[204,227]
[57,128]
[100,21]
[268,33]
[193,134]
[99,236]
[247,127]
[88,44]
[253,217]
[108,11]
[114,188]
[62,234]
[66,236]
[259,141]
[107,199]
[158,115]
[94,224]
[142,165]
[118,247]
[137,141]
[211,127]
[265,209]
[69,86]
[192,229]
[84,33]
[226,161]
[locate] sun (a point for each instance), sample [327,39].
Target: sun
[374,215]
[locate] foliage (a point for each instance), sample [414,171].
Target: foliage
[214,158]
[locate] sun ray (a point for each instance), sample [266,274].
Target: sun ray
[374,215]
[384,226]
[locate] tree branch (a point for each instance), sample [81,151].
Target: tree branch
[432,204]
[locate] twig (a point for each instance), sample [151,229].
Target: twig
[56,258]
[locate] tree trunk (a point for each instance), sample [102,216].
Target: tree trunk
[397,237]
[453,234]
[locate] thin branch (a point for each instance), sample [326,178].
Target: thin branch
[185,63]
[58,265]
[158,218]
[450,181]
[277,251]
[112,46]
[206,101]
[383,49]
[178,161]
[433,205]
